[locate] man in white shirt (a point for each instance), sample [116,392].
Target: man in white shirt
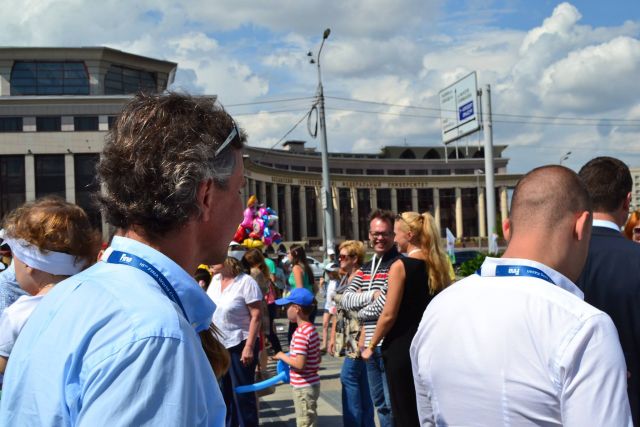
[515,344]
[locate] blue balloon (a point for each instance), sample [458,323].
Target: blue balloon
[282,375]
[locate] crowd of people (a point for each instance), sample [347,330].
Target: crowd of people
[163,324]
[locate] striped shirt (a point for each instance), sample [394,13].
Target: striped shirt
[305,341]
[372,277]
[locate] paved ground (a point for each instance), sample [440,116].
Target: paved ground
[276,410]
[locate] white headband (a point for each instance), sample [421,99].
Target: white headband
[56,263]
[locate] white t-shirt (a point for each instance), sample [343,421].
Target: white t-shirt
[232,316]
[329,304]
[13,319]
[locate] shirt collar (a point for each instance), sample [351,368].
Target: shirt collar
[606,224]
[488,269]
[196,303]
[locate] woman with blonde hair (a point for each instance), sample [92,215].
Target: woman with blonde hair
[413,281]
[51,240]
[632,227]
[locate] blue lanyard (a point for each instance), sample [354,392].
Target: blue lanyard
[118,257]
[520,270]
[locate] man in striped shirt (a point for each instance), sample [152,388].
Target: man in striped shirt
[367,294]
[304,356]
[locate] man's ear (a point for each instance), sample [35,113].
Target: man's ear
[583,225]
[506,229]
[205,198]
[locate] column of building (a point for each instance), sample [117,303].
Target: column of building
[436,206]
[459,230]
[482,210]
[262,194]
[319,213]
[394,200]
[373,198]
[414,199]
[354,214]
[288,213]
[30,177]
[504,204]
[252,186]
[302,194]
[335,199]
[69,178]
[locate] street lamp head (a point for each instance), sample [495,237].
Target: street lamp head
[326,33]
[312,61]
[309,53]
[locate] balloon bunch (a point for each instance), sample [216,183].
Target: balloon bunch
[259,227]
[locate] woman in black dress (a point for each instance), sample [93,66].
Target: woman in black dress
[413,281]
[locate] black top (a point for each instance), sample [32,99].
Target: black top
[414,301]
[611,282]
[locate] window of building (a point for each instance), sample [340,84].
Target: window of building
[404,200]
[48,123]
[441,172]
[12,183]
[384,198]
[81,123]
[432,154]
[10,124]
[298,168]
[470,212]
[84,166]
[346,224]
[425,200]
[312,219]
[295,214]
[336,170]
[408,154]
[121,80]
[314,169]
[279,166]
[364,209]
[418,172]
[49,78]
[50,175]
[355,172]
[396,172]
[375,171]
[111,120]
[447,210]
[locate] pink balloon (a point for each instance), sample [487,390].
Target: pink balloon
[248,218]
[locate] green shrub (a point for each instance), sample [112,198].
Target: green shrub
[469,267]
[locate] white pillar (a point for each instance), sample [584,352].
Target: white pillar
[288,216]
[504,204]
[373,197]
[436,207]
[30,177]
[69,178]
[252,185]
[302,194]
[482,219]
[274,197]
[414,199]
[319,213]
[354,214]
[394,200]
[335,193]
[459,231]
[263,192]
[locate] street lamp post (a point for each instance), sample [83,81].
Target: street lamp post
[477,173]
[326,199]
[564,157]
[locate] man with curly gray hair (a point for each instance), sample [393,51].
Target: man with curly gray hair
[128,341]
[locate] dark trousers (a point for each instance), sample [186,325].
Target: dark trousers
[397,367]
[242,408]
[273,336]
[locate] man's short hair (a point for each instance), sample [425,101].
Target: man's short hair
[161,148]
[547,195]
[608,181]
[384,215]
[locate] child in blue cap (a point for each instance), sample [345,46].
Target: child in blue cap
[304,356]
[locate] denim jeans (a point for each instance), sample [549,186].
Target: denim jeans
[242,409]
[357,408]
[379,388]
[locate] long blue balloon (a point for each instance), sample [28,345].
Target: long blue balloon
[282,370]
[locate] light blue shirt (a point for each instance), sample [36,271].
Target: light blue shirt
[10,291]
[108,347]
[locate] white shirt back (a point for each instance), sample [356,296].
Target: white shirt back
[232,317]
[500,351]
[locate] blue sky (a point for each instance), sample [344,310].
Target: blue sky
[558,70]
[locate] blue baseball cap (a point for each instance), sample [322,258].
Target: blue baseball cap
[300,296]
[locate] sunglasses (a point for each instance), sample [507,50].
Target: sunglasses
[636,230]
[343,257]
[383,235]
[234,132]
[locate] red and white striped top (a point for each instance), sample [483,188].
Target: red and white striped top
[305,341]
